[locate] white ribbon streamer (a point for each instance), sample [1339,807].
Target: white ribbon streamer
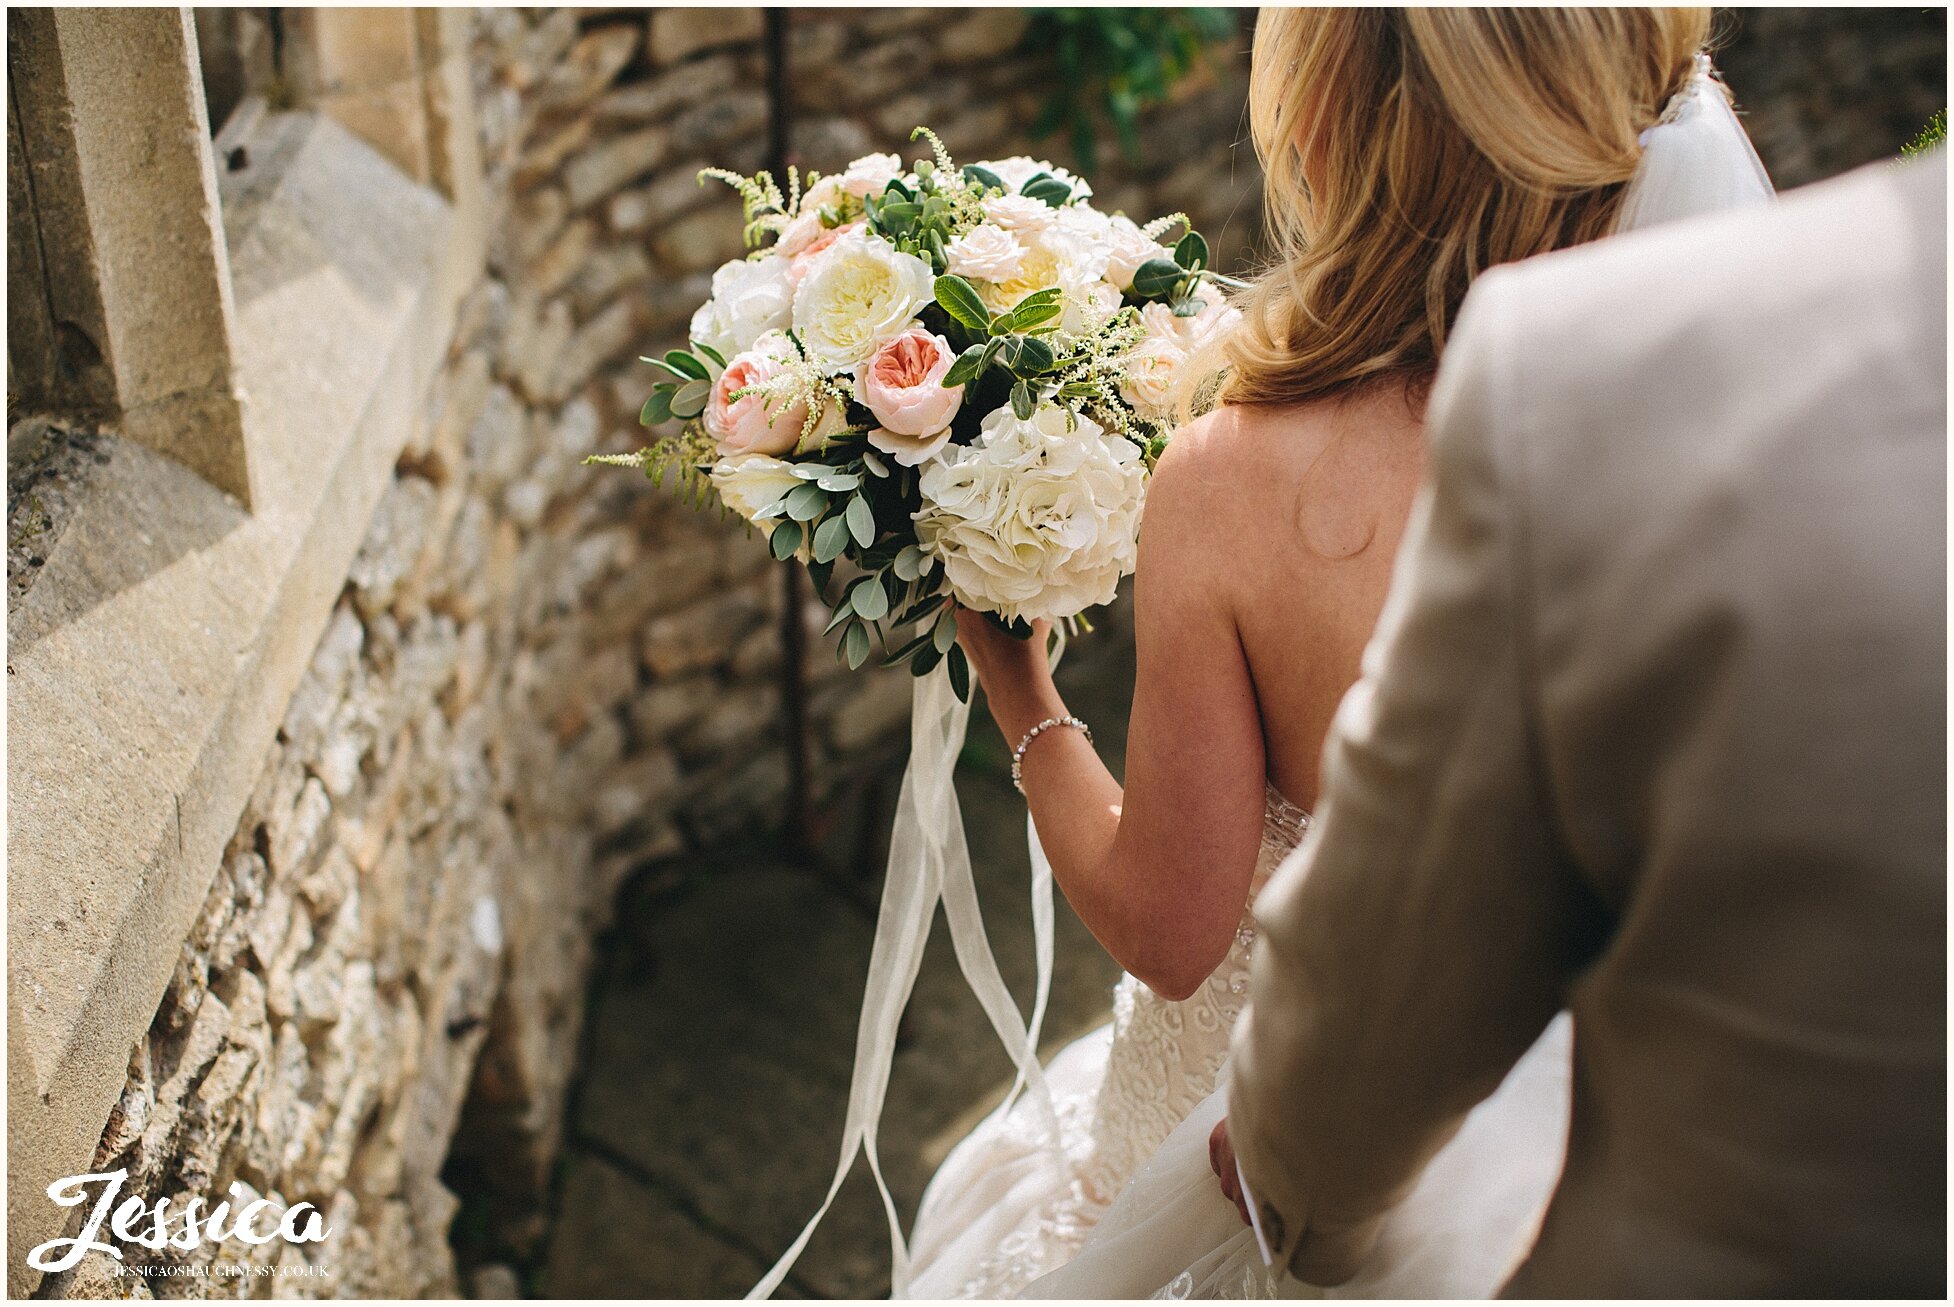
[929,861]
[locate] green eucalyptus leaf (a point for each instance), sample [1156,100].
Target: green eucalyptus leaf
[854,645]
[861,522]
[786,538]
[1023,402]
[658,408]
[960,675]
[1157,278]
[666,368]
[945,633]
[908,564]
[960,300]
[812,471]
[689,400]
[830,538]
[982,177]
[921,609]
[1192,251]
[924,661]
[840,482]
[1032,357]
[869,598]
[874,463]
[1047,188]
[968,367]
[806,501]
[711,353]
[685,365]
[843,611]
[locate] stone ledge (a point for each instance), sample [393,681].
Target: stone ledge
[151,662]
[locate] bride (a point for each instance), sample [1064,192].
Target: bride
[1405,151]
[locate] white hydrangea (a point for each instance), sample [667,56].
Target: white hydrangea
[1038,518]
[861,292]
[750,297]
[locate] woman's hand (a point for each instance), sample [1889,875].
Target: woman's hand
[1016,674]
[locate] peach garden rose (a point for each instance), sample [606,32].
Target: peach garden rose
[902,385]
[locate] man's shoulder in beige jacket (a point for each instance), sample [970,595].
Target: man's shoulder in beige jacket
[1653,729]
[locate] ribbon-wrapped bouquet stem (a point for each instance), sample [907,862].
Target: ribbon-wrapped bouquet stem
[952,382]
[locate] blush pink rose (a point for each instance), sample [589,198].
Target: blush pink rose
[902,385]
[744,425]
[802,263]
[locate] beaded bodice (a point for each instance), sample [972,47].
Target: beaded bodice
[1166,1055]
[1163,1058]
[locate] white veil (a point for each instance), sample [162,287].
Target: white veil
[1696,159]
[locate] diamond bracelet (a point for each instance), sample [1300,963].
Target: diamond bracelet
[1017,755]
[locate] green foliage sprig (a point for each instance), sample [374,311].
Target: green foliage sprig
[1934,133]
[1117,62]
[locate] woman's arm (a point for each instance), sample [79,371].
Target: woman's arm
[1158,873]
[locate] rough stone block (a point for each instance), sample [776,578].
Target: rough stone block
[677,33]
[614,163]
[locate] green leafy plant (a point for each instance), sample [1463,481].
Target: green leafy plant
[1115,63]
[1934,133]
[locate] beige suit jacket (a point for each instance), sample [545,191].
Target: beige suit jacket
[1653,729]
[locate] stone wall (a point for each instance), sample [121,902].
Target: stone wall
[540,676]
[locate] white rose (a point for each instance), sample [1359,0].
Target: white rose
[1150,371]
[869,174]
[1193,333]
[1015,171]
[751,482]
[985,252]
[1016,213]
[1127,247]
[750,297]
[860,293]
[1038,518]
[1216,319]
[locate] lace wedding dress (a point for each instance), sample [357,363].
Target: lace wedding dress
[1002,1209]
[1131,1209]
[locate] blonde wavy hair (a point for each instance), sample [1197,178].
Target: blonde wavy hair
[1407,150]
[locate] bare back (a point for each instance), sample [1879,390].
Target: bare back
[1301,547]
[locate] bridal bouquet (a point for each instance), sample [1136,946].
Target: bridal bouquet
[952,379]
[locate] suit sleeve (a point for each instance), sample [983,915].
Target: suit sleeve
[1424,934]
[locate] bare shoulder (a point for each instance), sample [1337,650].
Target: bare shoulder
[1321,472]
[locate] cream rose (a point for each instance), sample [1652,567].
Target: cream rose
[902,384]
[1151,371]
[750,482]
[824,240]
[749,298]
[1127,247]
[861,292]
[760,421]
[869,174]
[1016,213]
[1053,258]
[1038,518]
[986,252]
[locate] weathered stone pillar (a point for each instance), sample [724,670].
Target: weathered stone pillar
[117,235]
